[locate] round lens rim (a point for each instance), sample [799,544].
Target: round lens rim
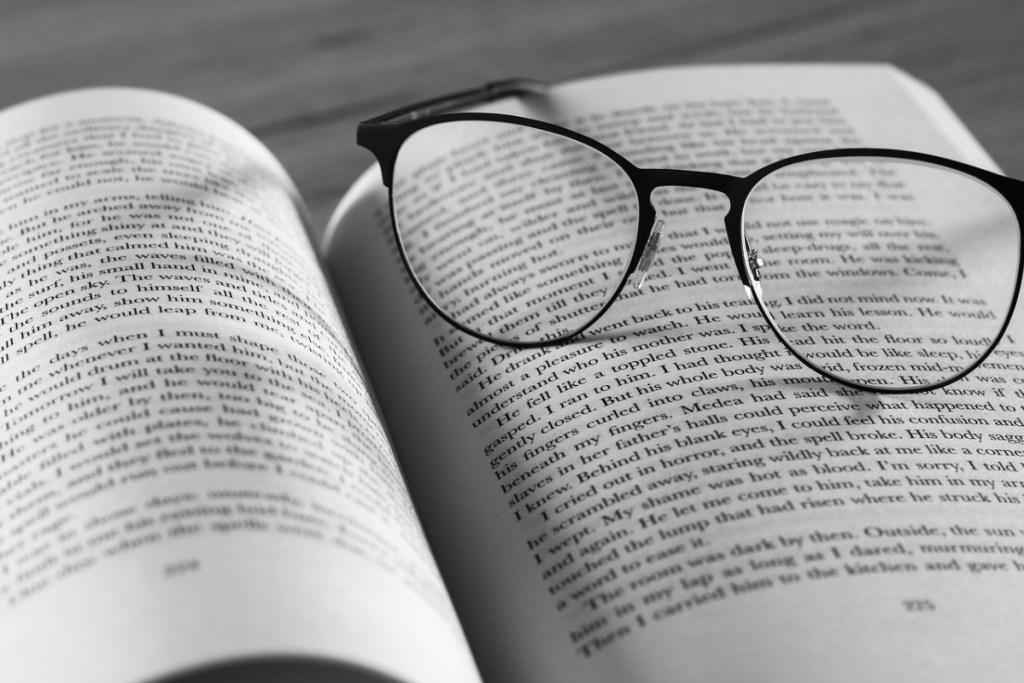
[1010,190]
[645,218]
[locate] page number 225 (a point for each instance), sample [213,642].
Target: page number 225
[918,605]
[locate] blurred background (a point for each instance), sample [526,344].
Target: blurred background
[301,73]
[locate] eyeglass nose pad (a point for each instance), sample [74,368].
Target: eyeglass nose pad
[647,257]
[756,263]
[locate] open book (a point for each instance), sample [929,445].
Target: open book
[223,453]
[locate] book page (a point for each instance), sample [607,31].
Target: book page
[191,470]
[673,496]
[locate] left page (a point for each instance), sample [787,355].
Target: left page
[191,469]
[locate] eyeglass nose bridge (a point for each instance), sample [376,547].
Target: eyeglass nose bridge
[734,188]
[653,178]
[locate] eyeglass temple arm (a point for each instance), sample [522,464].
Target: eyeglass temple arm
[463,98]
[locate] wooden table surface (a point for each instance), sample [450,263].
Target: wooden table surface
[301,73]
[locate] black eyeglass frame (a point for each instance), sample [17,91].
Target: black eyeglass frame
[384,135]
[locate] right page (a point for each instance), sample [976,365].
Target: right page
[673,496]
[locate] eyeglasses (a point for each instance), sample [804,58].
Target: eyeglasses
[885,270]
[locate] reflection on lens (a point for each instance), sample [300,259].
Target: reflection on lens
[516,233]
[884,272]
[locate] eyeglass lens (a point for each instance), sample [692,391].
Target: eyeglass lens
[514,232]
[885,272]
